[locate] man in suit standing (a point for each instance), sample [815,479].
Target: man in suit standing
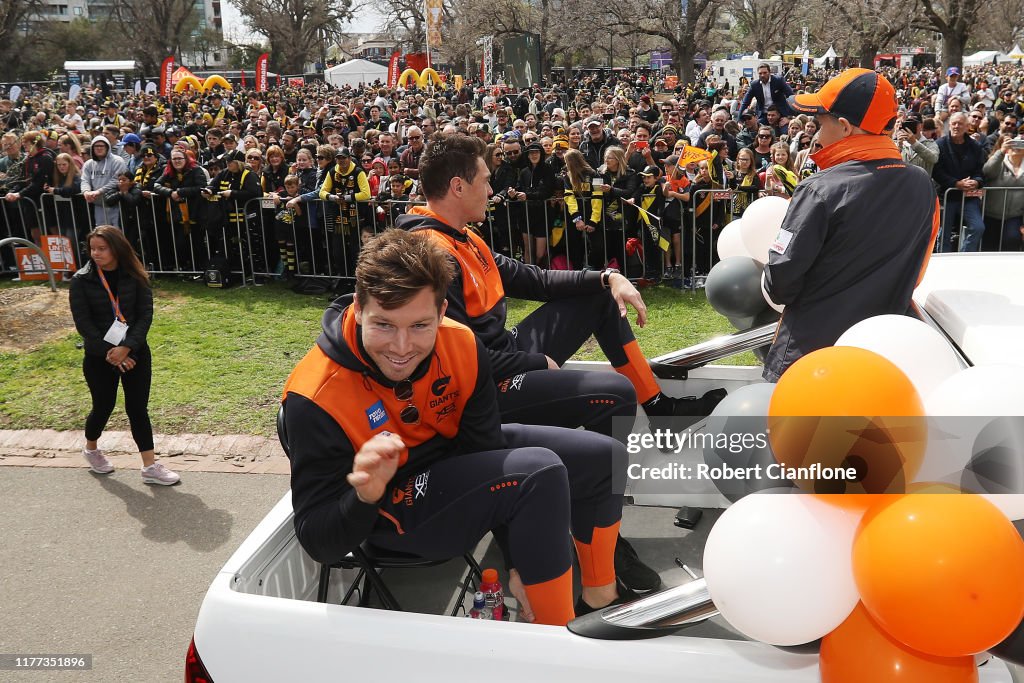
[767,90]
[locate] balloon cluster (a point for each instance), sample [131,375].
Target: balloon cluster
[899,585]
[733,286]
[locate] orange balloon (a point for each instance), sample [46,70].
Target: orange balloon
[846,407]
[859,651]
[943,574]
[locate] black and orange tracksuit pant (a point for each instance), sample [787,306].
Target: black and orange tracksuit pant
[572,399]
[548,483]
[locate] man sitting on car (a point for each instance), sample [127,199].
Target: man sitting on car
[395,439]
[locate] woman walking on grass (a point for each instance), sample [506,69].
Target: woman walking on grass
[112,305]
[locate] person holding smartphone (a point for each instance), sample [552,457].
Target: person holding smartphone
[916,149]
[639,154]
[112,306]
[1004,226]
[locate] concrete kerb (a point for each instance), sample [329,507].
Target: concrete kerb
[237,453]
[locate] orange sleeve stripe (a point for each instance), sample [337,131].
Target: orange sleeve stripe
[638,371]
[597,558]
[551,601]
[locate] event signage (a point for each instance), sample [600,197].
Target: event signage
[166,71]
[261,72]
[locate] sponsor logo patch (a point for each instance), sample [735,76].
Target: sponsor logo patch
[445,411]
[421,484]
[781,243]
[377,415]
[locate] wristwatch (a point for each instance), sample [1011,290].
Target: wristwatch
[606,275]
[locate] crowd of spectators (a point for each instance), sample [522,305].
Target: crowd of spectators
[585,172]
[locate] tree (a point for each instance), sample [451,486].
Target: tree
[14,16]
[203,44]
[55,42]
[404,20]
[156,28]
[954,19]
[1002,23]
[296,29]
[763,25]
[872,24]
[687,35]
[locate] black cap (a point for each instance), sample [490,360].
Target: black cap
[651,170]
[344,152]
[534,147]
[233,155]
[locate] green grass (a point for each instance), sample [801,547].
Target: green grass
[221,357]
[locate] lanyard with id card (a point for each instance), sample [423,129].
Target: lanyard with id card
[119,328]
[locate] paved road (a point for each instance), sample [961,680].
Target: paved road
[115,568]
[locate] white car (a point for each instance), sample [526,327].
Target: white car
[260,620]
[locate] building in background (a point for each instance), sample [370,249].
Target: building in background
[63,10]
[372,47]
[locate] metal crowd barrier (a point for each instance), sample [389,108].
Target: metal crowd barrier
[706,224]
[327,235]
[323,241]
[997,233]
[19,219]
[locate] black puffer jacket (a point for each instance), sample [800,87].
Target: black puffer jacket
[93,314]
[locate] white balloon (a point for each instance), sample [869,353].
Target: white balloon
[761,223]
[778,308]
[968,401]
[779,568]
[917,349]
[15,94]
[730,241]
[983,391]
[1011,504]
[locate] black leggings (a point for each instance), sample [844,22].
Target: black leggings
[567,398]
[547,483]
[103,379]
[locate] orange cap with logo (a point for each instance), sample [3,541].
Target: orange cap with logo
[861,96]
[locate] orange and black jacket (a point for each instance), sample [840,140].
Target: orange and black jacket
[336,399]
[483,278]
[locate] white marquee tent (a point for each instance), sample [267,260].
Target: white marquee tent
[831,54]
[985,57]
[354,72]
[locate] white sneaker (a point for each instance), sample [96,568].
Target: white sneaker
[98,462]
[158,474]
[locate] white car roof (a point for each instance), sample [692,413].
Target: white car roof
[978,300]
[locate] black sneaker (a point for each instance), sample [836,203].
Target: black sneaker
[686,410]
[631,570]
[625,595]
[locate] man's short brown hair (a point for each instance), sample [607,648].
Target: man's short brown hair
[447,156]
[396,265]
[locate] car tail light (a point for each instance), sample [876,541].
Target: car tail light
[195,672]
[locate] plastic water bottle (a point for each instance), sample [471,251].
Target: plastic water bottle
[494,596]
[480,609]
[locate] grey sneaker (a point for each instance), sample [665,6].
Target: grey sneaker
[98,462]
[158,474]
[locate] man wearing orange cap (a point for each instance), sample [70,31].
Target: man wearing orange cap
[857,234]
